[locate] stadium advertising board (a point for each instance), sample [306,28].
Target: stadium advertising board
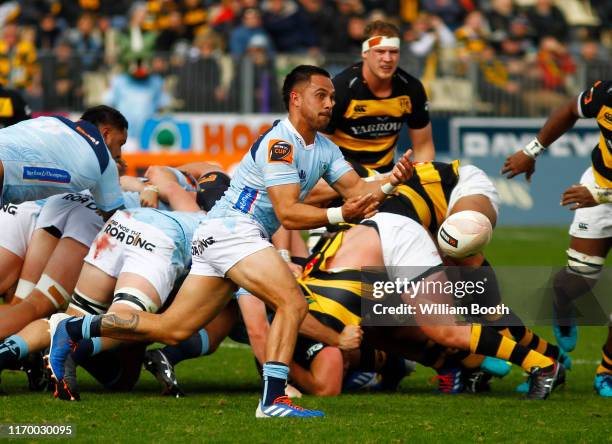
[180,138]
[490,137]
[486,142]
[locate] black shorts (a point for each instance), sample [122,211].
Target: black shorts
[306,350]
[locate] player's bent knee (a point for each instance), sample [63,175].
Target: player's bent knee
[136,299]
[86,305]
[330,369]
[173,335]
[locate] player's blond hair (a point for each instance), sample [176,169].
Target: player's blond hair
[378,27]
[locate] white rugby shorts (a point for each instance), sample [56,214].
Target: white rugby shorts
[408,249]
[17,224]
[219,244]
[73,214]
[472,180]
[127,245]
[594,222]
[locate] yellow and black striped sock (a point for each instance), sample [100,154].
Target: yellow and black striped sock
[487,341]
[529,339]
[606,362]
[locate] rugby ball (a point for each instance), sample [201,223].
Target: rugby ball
[464,234]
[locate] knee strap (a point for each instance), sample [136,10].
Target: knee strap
[136,299]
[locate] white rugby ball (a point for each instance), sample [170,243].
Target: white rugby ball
[464,234]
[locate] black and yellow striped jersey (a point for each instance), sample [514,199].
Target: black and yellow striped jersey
[335,297]
[424,198]
[596,102]
[365,127]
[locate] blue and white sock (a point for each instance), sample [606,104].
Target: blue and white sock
[275,376]
[196,345]
[12,349]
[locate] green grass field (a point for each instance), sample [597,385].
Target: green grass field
[223,390]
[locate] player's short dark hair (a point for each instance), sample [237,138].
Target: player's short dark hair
[378,27]
[105,115]
[299,74]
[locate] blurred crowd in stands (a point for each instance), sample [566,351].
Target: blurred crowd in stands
[498,57]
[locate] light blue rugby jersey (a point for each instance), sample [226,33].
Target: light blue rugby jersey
[177,225]
[279,157]
[53,155]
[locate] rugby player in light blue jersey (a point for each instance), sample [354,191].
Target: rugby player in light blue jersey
[231,247]
[52,155]
[140,252]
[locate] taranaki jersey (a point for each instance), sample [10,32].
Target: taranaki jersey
[365,127]
[424,198]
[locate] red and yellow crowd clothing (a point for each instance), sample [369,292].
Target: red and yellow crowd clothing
[17,64]
[470,41]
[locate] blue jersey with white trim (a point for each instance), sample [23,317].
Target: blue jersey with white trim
[53,155]
[177,225]
[279,157]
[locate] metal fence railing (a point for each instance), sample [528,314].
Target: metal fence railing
[252,84]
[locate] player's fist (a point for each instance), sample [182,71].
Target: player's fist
[518,163]
[578,196]
[402,171]
[358,208]
[350,338]
[149,198]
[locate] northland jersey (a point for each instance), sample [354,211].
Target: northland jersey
[53,155]
[279,157]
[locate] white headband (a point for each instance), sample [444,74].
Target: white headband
[380,40]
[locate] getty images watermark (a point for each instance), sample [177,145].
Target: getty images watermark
[507,296]
[436,297]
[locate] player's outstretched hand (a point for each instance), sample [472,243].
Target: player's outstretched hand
[518,163]
[403,170]
[358,208]
[350,338]
[579,196]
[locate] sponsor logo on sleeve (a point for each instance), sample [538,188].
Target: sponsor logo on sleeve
[43,174]
[280,151]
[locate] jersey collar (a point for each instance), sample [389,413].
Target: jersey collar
[291,128]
